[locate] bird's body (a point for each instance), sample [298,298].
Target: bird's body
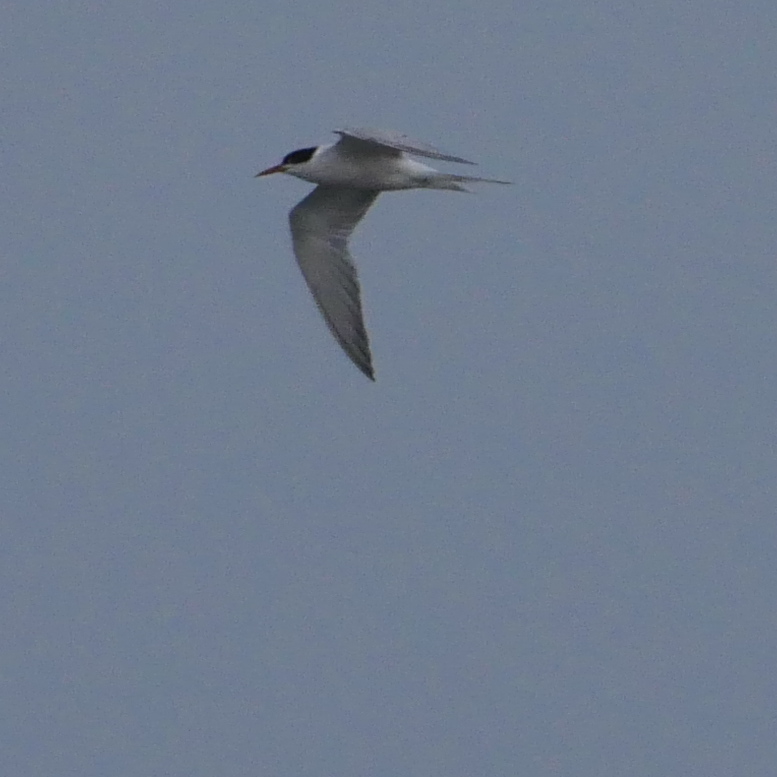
[350,174]
[330,166]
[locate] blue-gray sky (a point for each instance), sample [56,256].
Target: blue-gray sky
[543,543]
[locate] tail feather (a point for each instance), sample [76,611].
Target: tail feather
[452,181]
[471,179]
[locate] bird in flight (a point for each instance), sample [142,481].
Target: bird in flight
[350,174]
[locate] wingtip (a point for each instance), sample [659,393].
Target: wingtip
[363,365]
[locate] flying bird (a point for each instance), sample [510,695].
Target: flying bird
[350,174]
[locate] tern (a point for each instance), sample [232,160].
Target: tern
[350,174]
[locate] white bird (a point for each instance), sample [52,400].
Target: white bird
[350,174]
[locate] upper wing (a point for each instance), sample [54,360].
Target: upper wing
[393,142]
[320,227]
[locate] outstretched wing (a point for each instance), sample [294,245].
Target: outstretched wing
[393,143]
[320,227]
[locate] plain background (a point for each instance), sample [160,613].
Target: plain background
[543,543]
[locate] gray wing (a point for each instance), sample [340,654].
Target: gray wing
[320,227]
[392,142]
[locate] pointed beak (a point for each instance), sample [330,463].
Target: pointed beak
[271,170]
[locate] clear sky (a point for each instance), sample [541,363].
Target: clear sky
[543,543]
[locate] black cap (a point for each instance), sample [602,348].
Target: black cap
[299,156]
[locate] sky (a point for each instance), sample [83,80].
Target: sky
[541,544]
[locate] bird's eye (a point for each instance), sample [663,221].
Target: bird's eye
[299,156]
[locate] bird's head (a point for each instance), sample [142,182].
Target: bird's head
[293,160]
